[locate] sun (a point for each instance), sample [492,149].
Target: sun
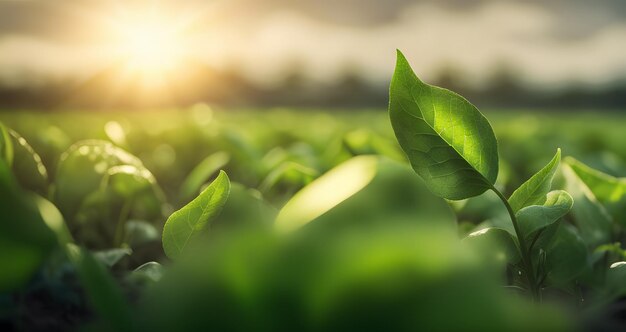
[149,44]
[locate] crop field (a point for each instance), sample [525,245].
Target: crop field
[314,210]
[312,166]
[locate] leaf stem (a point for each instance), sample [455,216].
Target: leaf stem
[121,223]
[524,253]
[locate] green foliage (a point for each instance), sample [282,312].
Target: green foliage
[591,217]
[194,218]
[449,143]
[608,190]
[495,244]
[535,218]
[25,240]
[534,190]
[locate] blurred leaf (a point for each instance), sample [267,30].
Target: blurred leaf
[592,219]
[616,280]
[27,166]
[566,257]
[534,190]
[54,220]
[25,240]
[111,257]
[103,293]
[152,271]
[139,232]
[201,174]
[194,217]
[81,169]
[496,244]
[533,218]
[362,191]
[6,145]
[609,190]
[449,143]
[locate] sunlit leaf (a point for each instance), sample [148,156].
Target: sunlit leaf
[609,190]
[6,146]
[449,143]
[195,217]
[362,191]
[533,218]
[535,189]
[591,217]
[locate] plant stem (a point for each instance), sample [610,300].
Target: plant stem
[524,253]
[121,224]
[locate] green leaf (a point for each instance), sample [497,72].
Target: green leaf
[567,255]
[6,145]
[495,243]
[609,190]
[536,217]
[80,172]
[25,239]
[194,217]
[449,143]
[201,173]
[534,189]
[150,271]
[590,216]
[28,167]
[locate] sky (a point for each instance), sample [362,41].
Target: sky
[549,44]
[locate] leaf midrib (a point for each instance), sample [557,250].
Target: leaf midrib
[409,88]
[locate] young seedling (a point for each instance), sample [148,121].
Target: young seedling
[452,146]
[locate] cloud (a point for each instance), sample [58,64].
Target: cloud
[549,43]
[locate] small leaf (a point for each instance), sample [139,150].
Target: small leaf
[591,217]
[496,243]
[609,190]
[449,143]
[534,189]
[194,217]
[536,217]
[151,271]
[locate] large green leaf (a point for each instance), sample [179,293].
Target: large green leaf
[536,217]
[535,189]
[27,166]
[449,143]
[194,217]
[609,190]
[591,217]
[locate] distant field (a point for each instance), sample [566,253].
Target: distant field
[172,142]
